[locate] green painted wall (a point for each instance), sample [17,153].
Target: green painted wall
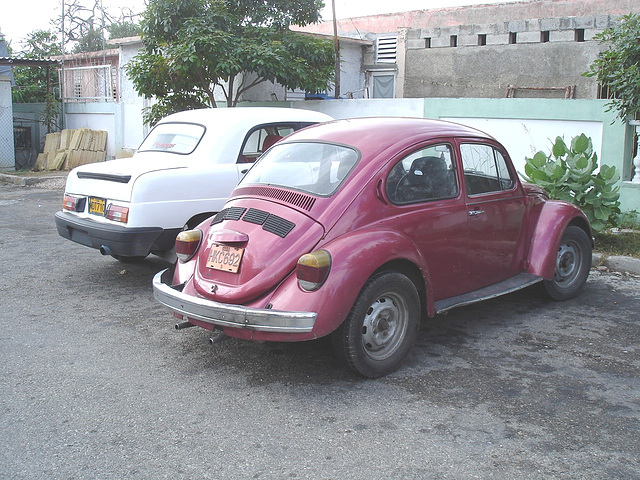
[616,142]
[617,137]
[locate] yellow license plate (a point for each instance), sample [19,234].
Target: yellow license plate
[225,258]
[97,206]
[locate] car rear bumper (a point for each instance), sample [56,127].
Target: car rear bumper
[120,240]
[227,315]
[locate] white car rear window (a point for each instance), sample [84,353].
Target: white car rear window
[181,138]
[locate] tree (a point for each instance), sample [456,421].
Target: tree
[32,83]
[84,26]
[123,28]
[618,67]
[192,46]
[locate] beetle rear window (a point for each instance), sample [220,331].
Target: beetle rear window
[316,168]
[181,138]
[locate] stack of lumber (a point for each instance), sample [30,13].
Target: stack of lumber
[68,149]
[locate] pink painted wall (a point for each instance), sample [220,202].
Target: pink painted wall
[476,14]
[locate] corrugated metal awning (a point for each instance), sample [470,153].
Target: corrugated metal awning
[28,62]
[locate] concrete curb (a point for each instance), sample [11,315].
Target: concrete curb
[25,181]
[616,263]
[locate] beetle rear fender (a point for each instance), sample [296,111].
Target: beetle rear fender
[554,218]
[355,257]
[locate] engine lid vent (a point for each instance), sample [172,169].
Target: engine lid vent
[297,199]
[232,213]
[256,216]
[278,226]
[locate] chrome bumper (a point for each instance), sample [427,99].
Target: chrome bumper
[229,315]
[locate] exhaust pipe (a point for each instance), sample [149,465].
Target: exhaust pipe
[217,338]
[183,325]
[105,250]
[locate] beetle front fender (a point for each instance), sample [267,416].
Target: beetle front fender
[554,218]
[354,258]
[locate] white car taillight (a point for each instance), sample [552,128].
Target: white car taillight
[118,213]
[312,269]
[72,203]
[187,244]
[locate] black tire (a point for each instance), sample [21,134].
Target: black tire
[573,263]
[382,326]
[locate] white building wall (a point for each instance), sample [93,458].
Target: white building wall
[521,137]
[525,137]
[132,130]
[352,79]
[98,116]
[374,107]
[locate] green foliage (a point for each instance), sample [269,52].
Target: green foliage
[618,243]
[31,82]
[618,67]
[51,113]
[629,219]
[91,41]
[568,174]
[192,46]
[123,29]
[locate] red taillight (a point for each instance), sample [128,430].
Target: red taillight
[312,269]
[187,244]
[73,204]
[118,213]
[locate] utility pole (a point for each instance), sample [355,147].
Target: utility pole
[62,79]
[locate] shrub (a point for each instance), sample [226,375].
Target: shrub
[567,173]
[618,66]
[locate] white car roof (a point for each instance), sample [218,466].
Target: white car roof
[244,117]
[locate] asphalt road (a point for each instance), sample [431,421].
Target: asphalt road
[95,383]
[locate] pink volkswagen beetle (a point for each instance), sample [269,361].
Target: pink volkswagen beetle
[359,228]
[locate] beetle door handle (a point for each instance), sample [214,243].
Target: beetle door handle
[475,213]
[244,170]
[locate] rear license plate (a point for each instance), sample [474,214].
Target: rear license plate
[97,206]
[225,258]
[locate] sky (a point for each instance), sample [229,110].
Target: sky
[20,17]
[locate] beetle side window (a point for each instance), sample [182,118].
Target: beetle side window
[426,174]
[503,172]
[485,169]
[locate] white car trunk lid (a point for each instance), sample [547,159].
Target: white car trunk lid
[114,179]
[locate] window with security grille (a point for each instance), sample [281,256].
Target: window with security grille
[77,84]
[386,48]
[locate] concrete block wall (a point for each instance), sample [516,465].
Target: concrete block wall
[527,31]
[484,59]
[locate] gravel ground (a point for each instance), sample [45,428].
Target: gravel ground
[57,183]
[95,383]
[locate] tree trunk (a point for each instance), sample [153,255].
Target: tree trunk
[230,96]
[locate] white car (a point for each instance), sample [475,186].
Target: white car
[183,173]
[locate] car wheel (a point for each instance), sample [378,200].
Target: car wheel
[382,326]
[573,263]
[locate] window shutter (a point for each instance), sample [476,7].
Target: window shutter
[386,49]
